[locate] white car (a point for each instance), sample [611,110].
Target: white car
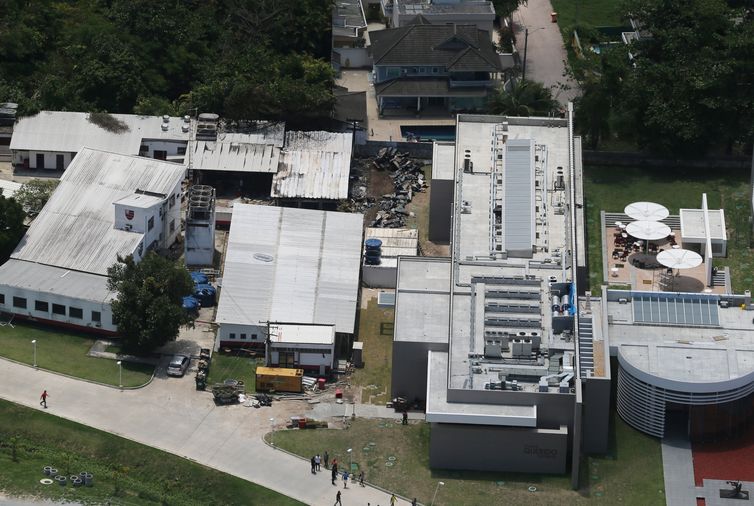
[178,365]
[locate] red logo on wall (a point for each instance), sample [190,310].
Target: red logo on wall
[129,214]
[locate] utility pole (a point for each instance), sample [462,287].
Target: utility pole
[526,48]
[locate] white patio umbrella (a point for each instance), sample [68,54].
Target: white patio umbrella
[646,211]
[679,258]
[648,230]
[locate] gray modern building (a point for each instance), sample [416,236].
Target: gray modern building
[509,367]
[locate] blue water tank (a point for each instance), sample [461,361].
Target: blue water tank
[191,304]
[199,278]
[206,294]
[373,244]
[372,257]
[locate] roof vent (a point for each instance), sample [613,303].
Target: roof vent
[184,128]
[166,119]
[187,119]
[263,257]
[164,127]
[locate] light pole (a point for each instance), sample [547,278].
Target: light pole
[350,459]
[439,483]
[120,374]
[34,342]
[272,434]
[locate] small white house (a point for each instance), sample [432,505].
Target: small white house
[309,347]
[695,229]
[106,205]
[50,140]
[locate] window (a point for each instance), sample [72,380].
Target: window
[435,70]
[172,226]
[76,312]
[150,223]
[40,305]
[2,298]
[19,302]
[253,336]
[243,336]
[58,309]
[172,201]
[182,150]
[160,154]
[96,316]
[422,70]
[231,335]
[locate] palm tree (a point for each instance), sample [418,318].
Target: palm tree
[526,98]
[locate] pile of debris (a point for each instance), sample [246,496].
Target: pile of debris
[408,179]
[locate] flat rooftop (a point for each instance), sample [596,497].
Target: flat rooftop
[282,333]
[422,300]
[692,224]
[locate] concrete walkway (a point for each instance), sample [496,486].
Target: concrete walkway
[678,469]
[546,55]
[171,415]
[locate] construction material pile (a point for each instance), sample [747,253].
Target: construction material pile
[408,179]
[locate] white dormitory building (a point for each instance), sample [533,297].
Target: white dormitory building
[296,270]
[50,140]
[106,205]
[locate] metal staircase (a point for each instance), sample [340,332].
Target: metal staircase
[586,347]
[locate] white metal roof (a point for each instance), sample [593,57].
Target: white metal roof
[55,281]
[69,132]
[139,201]
[395,241]
[314,165]
[257,151]
[692,224]
[443,160]
[302,334]
[75,229]
[9,188]
[519,214]
[291,265]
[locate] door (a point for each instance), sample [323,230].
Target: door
[40,161]
[160,155]
[59,162]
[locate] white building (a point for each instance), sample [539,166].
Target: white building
[310,347]
[288,265]
[106,205]
[396,242]
[439,12]
[50,139]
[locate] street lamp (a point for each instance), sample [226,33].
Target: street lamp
[34,342]
[350,459]
[272,434]
[436,489]
[120,374]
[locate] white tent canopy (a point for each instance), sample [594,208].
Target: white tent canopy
[679,258]
[649,230]
[646,211]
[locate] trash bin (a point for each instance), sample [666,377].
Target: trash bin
[338,393]
[554,17]
[321,382]
[302,423]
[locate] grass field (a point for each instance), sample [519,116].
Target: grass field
[610,189]
[376,332]
[124,472]
[593,12]
[65,352]
[233,367]
[631,474]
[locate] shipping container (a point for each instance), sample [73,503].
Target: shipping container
[279,379]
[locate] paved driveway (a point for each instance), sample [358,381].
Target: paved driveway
[171,415]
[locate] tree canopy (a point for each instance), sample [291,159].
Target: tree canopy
[149,306]
[152,57]
[34,194]
[526,98]
[11,226]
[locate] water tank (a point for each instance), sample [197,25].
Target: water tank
[373,244]
[373,257]
[565,303]
[555,303]
[190,304]
[205,294]
[199,277]
[526,347]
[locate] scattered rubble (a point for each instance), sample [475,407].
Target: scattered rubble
[408,179]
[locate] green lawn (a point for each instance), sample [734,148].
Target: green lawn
[233,367]
[376,332]
[611,188]
[593,12]
[65,352]
[124,472]
[631,474]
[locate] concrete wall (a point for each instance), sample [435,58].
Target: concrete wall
[596,416]
[106,315]
[490,448]
[49,156]
[254,335]
[354,57]
[376,276]
[171,147]
[422,150]
[320,361]
[409,375]
[440,210]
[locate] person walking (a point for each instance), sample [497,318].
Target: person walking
[405,418]
[43,399]
[361,478]
[317,462]
[413,503]
[314,466]
[337,499]
[393,500]
[327,459]
[334,474]
[345,479]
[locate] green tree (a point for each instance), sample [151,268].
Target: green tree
[526,98]
[34,194]
[11,226]
[148,310]
[504,8]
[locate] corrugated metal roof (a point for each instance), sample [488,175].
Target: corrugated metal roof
[9,188]
[314,165]
[518,232]
[55,281]
[291,265]
[75,229]
[395,241]
[235,156]
[69,132]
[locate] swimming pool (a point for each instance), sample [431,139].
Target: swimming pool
[429,132]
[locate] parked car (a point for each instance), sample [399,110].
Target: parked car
[178,365]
